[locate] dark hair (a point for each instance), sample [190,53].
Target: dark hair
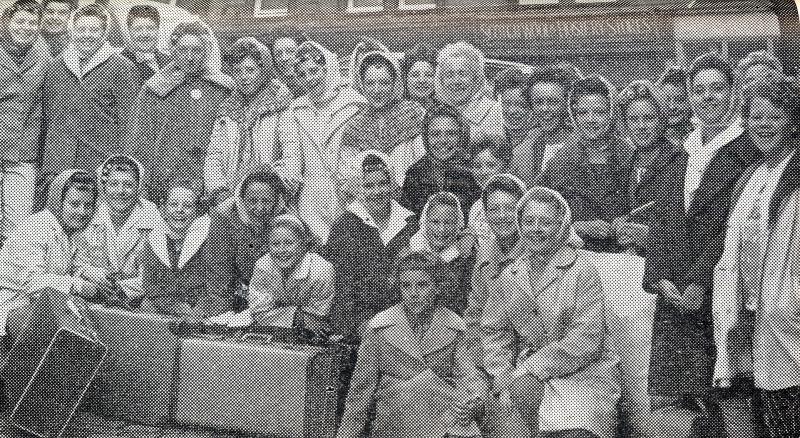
[374,163]
[421,261]
[267,177]
[446,199]
[500,148]
[782,94]
[502,183]
[309,52]
[144,11]
[120,163]
[710,61]
[195,28]
[181,183]
[675,76]
[511,78]
[443,110]
[73,4]
[421,53]
[30,6]
[93,10]
[376,59]
[562,76]
[592,85]
[81,181]
[242,49]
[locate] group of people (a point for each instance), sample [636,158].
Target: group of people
[436,220]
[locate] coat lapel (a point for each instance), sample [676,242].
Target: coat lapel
[441,333]
[195,237]
[398,333]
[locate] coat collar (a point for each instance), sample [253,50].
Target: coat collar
[398,219]
[555,268]
[143,216]
[195,237]
[479,107]
[38,53]
[169,78]
[343,107]
[73,63]
[445,326]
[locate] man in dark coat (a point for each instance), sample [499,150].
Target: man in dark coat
[143,25]
[687,232]
[55,16]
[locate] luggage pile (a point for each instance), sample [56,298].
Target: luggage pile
[156,370]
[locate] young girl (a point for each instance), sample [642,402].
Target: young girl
[440,232]
[291,286]
[413,366]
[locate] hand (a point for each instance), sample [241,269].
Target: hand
[100,279]
[633,234]
[691,300]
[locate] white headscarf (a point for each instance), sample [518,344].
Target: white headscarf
[567,232]
[419,241]
[333,80]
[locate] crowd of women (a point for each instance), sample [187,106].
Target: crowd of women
[411,207]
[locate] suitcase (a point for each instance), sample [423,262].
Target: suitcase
[136,381]
[51,365]
[259,387]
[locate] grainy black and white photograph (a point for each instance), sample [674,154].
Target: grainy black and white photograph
[399,219]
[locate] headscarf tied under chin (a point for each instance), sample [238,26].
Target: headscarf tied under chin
[333,80]
[566,233]
[419,241]
[57,190]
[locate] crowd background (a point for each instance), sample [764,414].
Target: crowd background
[440,222]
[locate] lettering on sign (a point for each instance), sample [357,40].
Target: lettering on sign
[563,29]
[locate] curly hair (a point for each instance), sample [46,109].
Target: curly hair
[782,94]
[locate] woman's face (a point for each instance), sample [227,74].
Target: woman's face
[285,248]
[757,72]
[444,136]
[767,125]
[540,226]
[677,104]
[23,28]
[710,96]
[248,75]
[77,209]
[88,35]
[548,105]
[190,53]
[458,80]
[260,200]
[485,165]
[420,80]
[144,34]
[418,291]
[180,210]
[283,50]
[500,211]
[377,191]
[311,76]
[378,85]
[516,113]
[120,191]
[643,123]
[592,114]
[441,228]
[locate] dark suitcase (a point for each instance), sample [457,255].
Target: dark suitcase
[51,365]
[258,386]
[136,381]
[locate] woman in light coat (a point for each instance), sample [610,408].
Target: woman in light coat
[245,134]
[756,310]
[315,163]
[559,374]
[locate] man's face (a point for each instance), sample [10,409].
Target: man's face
[144,34]
[190,53]
[23,28]
[89,35]
[548,105]
[283,51]
[55,16]
[710,96]
[516,113]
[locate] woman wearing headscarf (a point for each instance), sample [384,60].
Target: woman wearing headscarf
[441,226]
[592,170]
[418,72]
[544,331]
[315,162]
[24,57]
[364,244]
[88,95]
[413,368]
[173,270]
[757,279]
[642,119]
[110,251]
[176,108]
[461,83]
[388,123]
[445,166]
[245,134]
[41,253]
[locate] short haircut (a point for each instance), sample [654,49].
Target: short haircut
[93,10]
[502,183]
[120,163]
[379,60]
[511,78]
[242,49]
[73,4]
[550,75]
[710,61]
[81,181]
[782,94]
[267,177]
[195,28]
[592,85]
[144,11]
[675,76]
[29,6]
